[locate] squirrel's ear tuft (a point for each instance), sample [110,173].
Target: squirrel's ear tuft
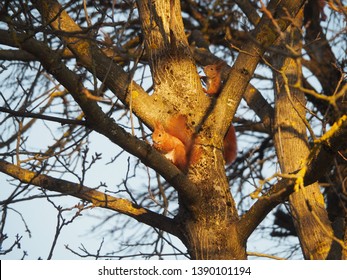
[158,125]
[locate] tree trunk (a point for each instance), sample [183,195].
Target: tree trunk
[213,238]
[306,204]
[207,224]
[208,217]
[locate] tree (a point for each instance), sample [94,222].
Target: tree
[117,68]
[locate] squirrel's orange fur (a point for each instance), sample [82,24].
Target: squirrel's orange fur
[213,78]
[176,142]
[230,146]
[170,146]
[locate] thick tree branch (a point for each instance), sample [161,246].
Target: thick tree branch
[323,63]
[292,148]
[16,55]
[97,119]
[173,69]
[97,63]
[249,11]
[21,55]
[97,198]
[318,163]
[252,96]
[265,34]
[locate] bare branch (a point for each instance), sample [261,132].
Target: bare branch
[97,198]
[41,117]
[318,163]
[97,120]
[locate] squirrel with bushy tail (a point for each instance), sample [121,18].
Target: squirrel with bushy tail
[175,140]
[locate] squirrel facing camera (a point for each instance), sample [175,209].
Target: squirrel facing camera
[174,141]
[213,78]
[169,145]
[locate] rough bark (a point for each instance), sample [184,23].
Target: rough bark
[209,225]
[306,204]
[207,222]
[95,197]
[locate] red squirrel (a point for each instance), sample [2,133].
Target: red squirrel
[213,78]
[169,145]
[175,141]
[230,146]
